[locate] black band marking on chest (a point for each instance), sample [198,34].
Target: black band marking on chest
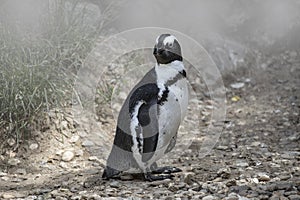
[180,75]
[164,96]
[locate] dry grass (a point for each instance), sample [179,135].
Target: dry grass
[38,69]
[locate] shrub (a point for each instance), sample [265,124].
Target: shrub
[37,68]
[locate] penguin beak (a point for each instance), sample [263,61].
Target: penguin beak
[158,51]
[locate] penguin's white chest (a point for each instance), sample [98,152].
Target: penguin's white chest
[172,111]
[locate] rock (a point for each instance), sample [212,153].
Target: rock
[33,146]
[241,164]
[93,158]
[63,165]
[294,197]
[114,184]
[67,156]
[87,143]
[13,161]
[285,177]
[255,144]
[94,197]
[34,197]
[232,196]
[8,196]
[79,152]
[21,171]
[275,197]
[255,180]
[59,152]
[239,189]
[263,177]
[222,147]
[283,185]
[64,125]
[126,177]
[209,197]
[5,178]
[224,173]
[11,142]
[231,183]
[2,174]
[74,139]
[187,178]
[288,193]
[237,85]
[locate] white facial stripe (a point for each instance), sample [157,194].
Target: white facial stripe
[169,40]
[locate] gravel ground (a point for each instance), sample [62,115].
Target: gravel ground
[256,157]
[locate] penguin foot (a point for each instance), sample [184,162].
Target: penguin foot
[166,170]
[150,177]
[110,173]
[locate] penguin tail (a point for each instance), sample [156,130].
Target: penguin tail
[110,173]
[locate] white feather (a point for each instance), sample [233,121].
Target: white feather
[135,123]
[169,40]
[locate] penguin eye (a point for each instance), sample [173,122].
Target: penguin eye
[170,45]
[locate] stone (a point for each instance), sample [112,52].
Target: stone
[187,178]
[224,173]
[114,184]
[255,144]
[33,146]
[263,177]
[283,186]
[241,164]
[13,161]
[11,142]
[237,85]
[294,197]
[74,139]
[93,158]
[63,165]
[220,147]
[8,196]
[230,183]
[232,196]
[67,156]
[255,180]
[209,197]
[79,152]
[64,125]
[239,189]
[87,143]
[127,177]
[21,171]
[5,178]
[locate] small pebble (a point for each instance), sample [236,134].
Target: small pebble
[67,156]
[74,138]
[7,196]
[87,143]
[237,85]
[263,177]
[33,146]
[13,161]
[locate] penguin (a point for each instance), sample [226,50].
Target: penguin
[149,119]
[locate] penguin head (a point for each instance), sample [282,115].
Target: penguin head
[167,49]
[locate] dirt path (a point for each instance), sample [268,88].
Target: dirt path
[257,156]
